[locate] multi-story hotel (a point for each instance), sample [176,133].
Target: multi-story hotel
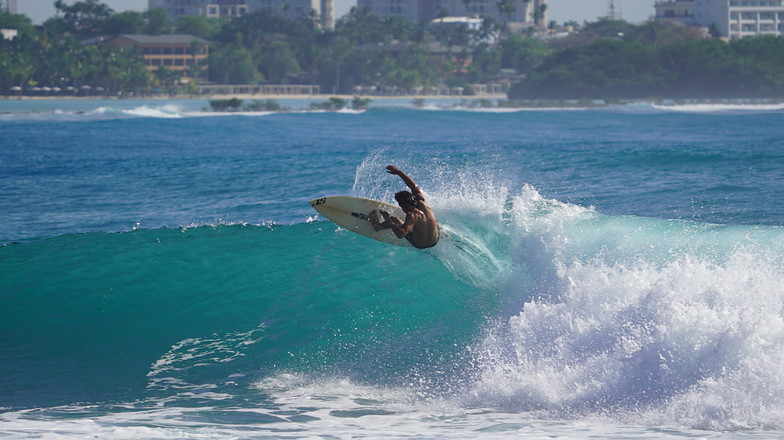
[293,9]
[173,52]
[732,18]
[505,11]
[9,6]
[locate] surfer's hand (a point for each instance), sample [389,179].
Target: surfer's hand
[391,169]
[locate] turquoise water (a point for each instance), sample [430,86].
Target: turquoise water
[610,273]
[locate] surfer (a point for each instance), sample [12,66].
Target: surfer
[420,227]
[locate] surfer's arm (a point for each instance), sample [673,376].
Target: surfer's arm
[400,228]
[391,169]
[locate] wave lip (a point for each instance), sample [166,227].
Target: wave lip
[646,321]
[721,107]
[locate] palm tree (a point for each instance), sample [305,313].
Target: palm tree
[506,8]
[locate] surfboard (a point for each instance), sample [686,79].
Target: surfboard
[351,213]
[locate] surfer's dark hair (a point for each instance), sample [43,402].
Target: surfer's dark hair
[406,198]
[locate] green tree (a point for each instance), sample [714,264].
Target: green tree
[604,69]
[506,8]
[700,69]
[84,18]
[758,65]
[412,68]
[128,22]
[330,60]
[166,78]
[539,13]
[660,33]
[233,64]
[200,26]
[486,63]
[256,31]
[608,28]
[22,24]
[523,54]
[157,21]
[360,26]
[277,62]
[17,64]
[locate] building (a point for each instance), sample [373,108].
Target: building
[681,11]
[293,9]
[731,18]
[174,52]
[9,34]
[514,12]
[298,9]
[206,8]
[9,6]
[473,24]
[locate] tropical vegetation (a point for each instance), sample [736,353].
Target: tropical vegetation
[655,61]
[602,59]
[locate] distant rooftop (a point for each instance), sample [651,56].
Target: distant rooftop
[163,39]
[457,20]
[149,39]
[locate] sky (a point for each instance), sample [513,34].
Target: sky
[635,11]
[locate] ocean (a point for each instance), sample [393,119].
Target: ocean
[612,272]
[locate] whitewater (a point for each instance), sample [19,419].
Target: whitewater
[612,272]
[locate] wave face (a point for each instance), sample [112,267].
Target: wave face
[540,307]
[93,317]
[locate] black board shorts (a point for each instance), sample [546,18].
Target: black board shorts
[410,238]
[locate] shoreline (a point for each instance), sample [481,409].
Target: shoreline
[483,102]
[500,96]
[249,96]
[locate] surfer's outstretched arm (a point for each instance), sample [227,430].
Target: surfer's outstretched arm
[391,169]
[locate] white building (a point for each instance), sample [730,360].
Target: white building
[293,9]
[473,24]
[9,34]
[732,18]
[206,8]
[520,12]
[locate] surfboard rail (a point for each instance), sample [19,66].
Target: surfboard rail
[351,213]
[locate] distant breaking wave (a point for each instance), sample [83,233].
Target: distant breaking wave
[198,108]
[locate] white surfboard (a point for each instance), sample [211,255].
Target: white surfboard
[352,213]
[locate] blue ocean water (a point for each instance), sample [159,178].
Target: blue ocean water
[608,273]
